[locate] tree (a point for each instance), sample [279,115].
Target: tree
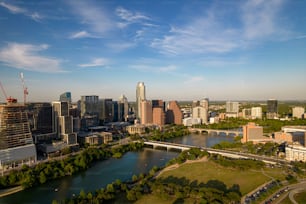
[42,177]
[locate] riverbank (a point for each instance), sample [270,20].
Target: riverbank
[9,191]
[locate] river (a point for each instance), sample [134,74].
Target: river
[105,172]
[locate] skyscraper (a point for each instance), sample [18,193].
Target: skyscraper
[174,114]
[140,96]
[63,122]
[272,108]
[124,108]
[16,143]
[232,109]
[66,97]
[146,112]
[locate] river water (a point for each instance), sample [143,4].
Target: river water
[105,172]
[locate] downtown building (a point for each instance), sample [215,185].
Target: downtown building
[174,114]
[232,109]
[272,109]
[298,112]
[63,123]
[16,142]
[140,96]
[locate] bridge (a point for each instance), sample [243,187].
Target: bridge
[226,153]
[168,145]
[208,131]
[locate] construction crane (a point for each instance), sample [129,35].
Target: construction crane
[8,99]
[25,89]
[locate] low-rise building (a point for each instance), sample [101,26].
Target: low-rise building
[191,121]
[296,153]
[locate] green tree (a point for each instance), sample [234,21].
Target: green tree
[42,177]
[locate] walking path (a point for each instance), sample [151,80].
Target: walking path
[9,191]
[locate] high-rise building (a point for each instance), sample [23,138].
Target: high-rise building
[158,112]
[140,96]
[232,109]
[205,103]
[298,112]
[247,113]
[40,117]
[256,113]
[89,105]
[106,112]
[16,142]
[272,109]
[174,114]
[65,97]
[146,112]
[63,123]
[158,116]
[124,108]
[201,113]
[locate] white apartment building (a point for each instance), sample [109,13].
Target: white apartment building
[298,112]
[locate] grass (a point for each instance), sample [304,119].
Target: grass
[205,171]
[300,197]
[248,180]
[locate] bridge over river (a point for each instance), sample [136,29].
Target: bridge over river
[226,153]
[226,132]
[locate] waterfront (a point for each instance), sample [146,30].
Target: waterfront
[105,172]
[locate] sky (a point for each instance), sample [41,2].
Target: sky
[181,50]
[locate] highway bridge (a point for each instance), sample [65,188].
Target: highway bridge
[226,153]
[208,131]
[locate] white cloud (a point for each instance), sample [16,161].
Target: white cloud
[12,8]
[27,57]
[129,17]
[18,10]
[97,20]
[212,33]
[192,80]
[118,47]
[98,62]
[260,18]
[154,69]
[81,34]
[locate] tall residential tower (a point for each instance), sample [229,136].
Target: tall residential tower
[140,96]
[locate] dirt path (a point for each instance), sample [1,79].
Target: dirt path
[175,166]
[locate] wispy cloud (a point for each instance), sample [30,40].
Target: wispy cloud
[260,18]
[192,80]
[27,57]
[94,17]
[97,62]
[120,46]
[129,17]
[154,69]
[82,34]
[210,33]
[18,10]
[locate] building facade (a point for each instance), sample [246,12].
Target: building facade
[63,123]
[298,112]
[158,116]
[272,109]
[232,109]
[256,113]
[174,114]
[146,112]
[201,113]
[140,96]
[16,142]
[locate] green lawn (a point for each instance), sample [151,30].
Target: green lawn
[300,197]
[205,171]
[208,170]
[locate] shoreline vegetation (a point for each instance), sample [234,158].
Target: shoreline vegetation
[180,188]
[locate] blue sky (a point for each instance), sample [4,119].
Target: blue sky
[181,50]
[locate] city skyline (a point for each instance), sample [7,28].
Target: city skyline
[233,50]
